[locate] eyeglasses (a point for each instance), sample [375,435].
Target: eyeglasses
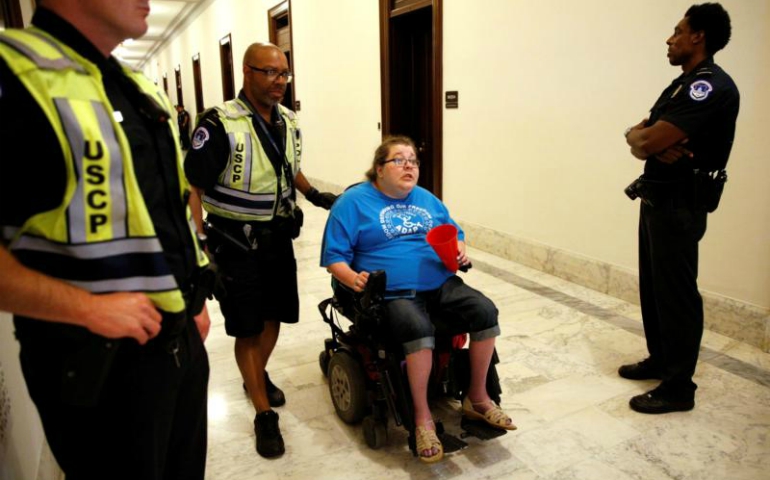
[272,74]
[401,162]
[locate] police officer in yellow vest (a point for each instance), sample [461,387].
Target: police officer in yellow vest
[98,252]
[244,166]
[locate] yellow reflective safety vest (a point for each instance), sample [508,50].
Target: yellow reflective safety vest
[247,189]
[101,238]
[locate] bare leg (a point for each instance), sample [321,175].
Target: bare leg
[418,367]
[252,355]
[481,356]
[268,340]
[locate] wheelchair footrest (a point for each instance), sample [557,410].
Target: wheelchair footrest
[451,443]
[480,429]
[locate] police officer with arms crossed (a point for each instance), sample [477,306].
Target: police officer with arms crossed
[98,252]
[244,166]
[688,136]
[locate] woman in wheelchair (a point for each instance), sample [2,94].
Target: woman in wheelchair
[381,225]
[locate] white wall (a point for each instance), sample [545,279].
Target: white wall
[336,66]
[546,90]
[535,150]
[19,421]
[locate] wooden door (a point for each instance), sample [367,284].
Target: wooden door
[411,49]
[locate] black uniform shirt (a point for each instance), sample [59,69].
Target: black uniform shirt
[210,151]
[183,119]
[704,104]
[32,170]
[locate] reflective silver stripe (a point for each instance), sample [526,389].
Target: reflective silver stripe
[229,171]
[240,110]
[248,158]
[133,284]
[118,198]
[118,202]
[46,63]
[90,250]
[76,209]
[232,208]
[253,197]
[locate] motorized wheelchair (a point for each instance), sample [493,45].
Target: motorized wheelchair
[367,371]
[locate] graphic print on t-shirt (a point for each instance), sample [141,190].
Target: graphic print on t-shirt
[398,220]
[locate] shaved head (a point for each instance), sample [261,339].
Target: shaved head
[255,49]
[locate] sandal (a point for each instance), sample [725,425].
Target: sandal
[427,440]
[495,416]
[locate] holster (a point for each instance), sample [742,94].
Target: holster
[663,193]
[298,220]
[708,189]
[206,284]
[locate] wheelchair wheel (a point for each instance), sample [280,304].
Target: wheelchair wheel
[375,432]
[323,362]
[347,387]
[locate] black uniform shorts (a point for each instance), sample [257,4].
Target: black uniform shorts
[260,285]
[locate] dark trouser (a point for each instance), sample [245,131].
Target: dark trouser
[672,308]
[148,421]
[460,308]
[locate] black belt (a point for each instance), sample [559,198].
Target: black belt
[659,192]
[393,294]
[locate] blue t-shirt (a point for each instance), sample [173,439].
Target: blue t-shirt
[370,231]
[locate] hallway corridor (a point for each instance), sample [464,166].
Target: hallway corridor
[560,348]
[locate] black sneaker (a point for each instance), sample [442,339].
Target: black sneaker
[269,439]
[275,395]
[643,370]
[655,401]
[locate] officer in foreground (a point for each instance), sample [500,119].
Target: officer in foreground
[685,144]
[244,166]
[98,256]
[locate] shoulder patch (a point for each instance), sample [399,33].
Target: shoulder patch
[200,137]
[700,90]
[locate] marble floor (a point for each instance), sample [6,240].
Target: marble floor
[560,348]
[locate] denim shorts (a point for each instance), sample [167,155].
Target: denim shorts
[452,308]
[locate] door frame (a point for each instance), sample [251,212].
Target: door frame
[279,11]
[436,136]
[198,83]
[226,67]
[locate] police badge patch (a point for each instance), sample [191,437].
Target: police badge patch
[200,136]
[700,90]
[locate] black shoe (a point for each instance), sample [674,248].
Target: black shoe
[269,439]
[643,370]
[275,395]
[656,402]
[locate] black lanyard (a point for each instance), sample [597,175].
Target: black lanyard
[282,153]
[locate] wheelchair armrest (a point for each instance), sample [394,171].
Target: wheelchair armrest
[362,308]
[374,291]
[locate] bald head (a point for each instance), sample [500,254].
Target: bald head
[257,50]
